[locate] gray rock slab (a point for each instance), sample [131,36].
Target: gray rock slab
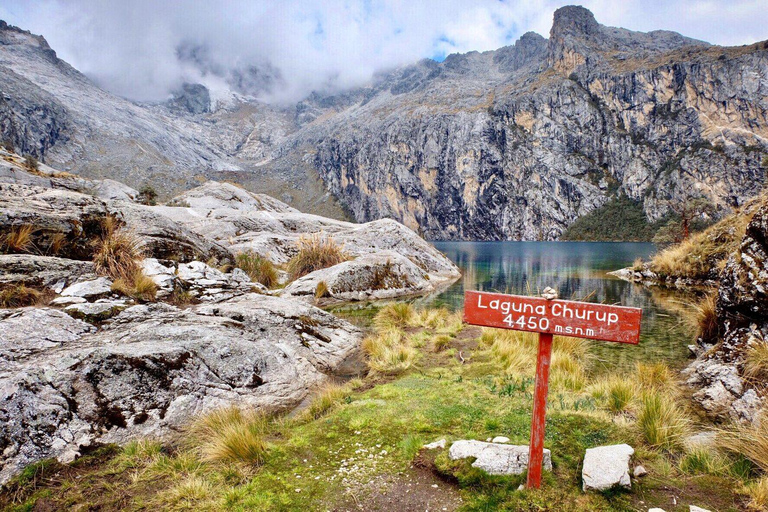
[92,289]
[496,459]
[383,275]
[154,367]
[606,467]
[96,311]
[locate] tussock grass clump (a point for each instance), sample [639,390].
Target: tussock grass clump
[316,252]
[190,492]
[758,494]
[259,269]
[118,255]
[695,257]
[118,252]
[655,376]
[707,326]
[141,287]
[756,361]
[19,296]
[322,290]
[662,423]
[230,435]
[703,461]
[430,318]
[617,393]
[389,352]
[441,342]
[18,240]
[327,397]
[394,316]
[749,440]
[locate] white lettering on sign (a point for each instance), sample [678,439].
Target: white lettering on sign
[561,310]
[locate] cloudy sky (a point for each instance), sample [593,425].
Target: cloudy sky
[143,49]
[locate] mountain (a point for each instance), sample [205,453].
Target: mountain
[515,143]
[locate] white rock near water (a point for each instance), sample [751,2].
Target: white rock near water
[606,467]
[496,459]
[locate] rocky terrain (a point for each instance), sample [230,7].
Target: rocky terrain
[515,143]
[726,387]
[93,363]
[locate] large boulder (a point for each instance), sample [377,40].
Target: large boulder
[606,467]
[64,387]
[382,275]
[496,459]
[200,280]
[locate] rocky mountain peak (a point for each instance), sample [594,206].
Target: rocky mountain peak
[574,20]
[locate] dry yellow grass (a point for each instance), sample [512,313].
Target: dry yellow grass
[326,398]
[19,296]
[749,440]
[389,352]
[397,315]
[707,326]
[655,376]
[662,422]
[695,257]
[118,252]
[230,435]
[756,362]
[259,269]
[140,287]
[316,252]
[19,239]
[758,494]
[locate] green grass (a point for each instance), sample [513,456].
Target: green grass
[259,269]
[371,431]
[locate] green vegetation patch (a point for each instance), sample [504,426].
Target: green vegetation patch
[620,219]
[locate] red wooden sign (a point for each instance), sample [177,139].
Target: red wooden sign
[559,317]
[549,317]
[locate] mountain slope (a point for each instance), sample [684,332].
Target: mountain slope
[515,143]
[477,150]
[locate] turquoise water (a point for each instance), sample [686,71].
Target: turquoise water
[578,271]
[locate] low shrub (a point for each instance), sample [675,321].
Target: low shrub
[31,163]
[259,269]
[316,252]
[230,435]
[147,195]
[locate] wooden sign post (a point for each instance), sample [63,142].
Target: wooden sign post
[549,317]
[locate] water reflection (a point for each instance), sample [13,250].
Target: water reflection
[577,270]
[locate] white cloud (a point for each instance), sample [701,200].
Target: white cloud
[131,46]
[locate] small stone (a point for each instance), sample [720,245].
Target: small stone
[549,293]
[639,471]
[435,445]
[606,467]
[694,508]
[656,510]
[500,439]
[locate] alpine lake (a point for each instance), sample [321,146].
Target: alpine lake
[578,271]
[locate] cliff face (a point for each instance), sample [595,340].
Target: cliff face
[511,144]
[518,143]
